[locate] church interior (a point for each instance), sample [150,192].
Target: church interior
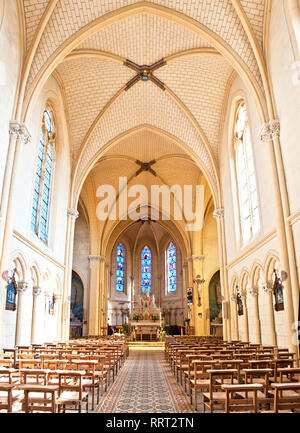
[149,213]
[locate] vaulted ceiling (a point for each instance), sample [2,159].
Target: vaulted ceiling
[85,45]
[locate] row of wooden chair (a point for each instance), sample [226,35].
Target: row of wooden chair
[59,377]
[227,374]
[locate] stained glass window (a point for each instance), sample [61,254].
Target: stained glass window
[146,270]
[42,186]
[249,210]
[171,267]
[120,268]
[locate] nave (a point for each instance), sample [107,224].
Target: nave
[185,374]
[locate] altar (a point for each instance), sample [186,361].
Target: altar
[146,317]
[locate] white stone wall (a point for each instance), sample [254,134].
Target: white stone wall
[49,258]
[10,53]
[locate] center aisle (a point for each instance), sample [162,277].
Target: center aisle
[145,384]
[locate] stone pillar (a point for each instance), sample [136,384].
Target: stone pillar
[199,299]
[34,324]
[185,286]
[219,216]
[270,133]
[72,216]
[268,288]
[19,137]
[46,313]
[246,326]
[58,307]
[94,294]
[235,316]
[22,287]
[254,292]
[105,294]
[101,293]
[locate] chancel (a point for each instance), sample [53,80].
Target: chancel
[149,206]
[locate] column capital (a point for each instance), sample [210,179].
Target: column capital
[243,294]
[218,214]
[268,286]
[22,286]
[195,258]
[94,258]
[73,213]
[36,291]
[254,291]
[19,131]
[233,297]
[270,130]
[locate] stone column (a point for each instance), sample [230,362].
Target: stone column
[219,216]
[105,295]
[246,326]
[94,294]
[19,137]
[185,286]
[34,324]
[46,313]
[101,293]
[235,316]
[72,216]
[58,307]
[268,288]
[254,292]
[22,287]
[270,133]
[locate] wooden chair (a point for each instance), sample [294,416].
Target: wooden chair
[90,381]
[43,400]
[234,404]
[6,396]
[287,396]
[215,397]
[71,392]
[201,379]
[289,375]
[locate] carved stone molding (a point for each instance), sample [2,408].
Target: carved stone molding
[195,258]
[94,258]
[267,286]
[244,294]
[73,213]
[22,286]
[270,130]
[254,291]
[36,291]
[233,298]
[218,214]
[19,131]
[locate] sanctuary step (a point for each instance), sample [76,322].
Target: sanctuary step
[146,344]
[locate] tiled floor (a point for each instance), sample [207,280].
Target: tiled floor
[145,385]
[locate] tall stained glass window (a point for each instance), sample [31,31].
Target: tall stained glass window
[43,177]
[249,211]
[120,268]
[171,267]
[146,270]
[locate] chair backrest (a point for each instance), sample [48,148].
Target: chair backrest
[219,374]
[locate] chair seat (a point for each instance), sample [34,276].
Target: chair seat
[89,382]
[227,381]
[216,396]
[71,397]
[199,382]
[16,396]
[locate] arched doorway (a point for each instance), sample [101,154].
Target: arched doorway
[215,305]
[76,314]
